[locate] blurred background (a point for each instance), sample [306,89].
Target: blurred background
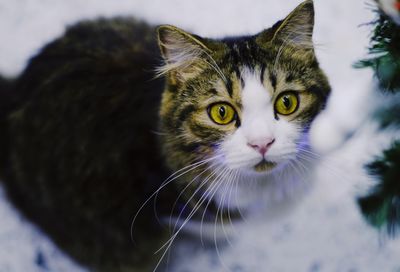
[326,232]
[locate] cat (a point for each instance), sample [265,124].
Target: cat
[95,128]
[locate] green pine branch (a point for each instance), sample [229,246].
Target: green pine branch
[384,53]
[390,116]
[381,206]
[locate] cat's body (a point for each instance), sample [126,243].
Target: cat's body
[85,147]
[90,104]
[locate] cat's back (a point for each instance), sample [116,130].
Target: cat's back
[94,49]
[84,153]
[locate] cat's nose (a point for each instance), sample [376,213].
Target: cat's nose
[261,145]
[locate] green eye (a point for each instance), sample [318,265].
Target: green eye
[221,113]
[286,103]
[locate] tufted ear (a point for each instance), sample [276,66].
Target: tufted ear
[184,54]
[296,29]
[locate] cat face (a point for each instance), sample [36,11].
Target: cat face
[242,104]
[271,127]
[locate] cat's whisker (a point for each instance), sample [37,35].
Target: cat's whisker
[198,189]
[309,151]
[305,44]
[206,180]
[228,183]
[206,195]
[189,183]
[173,176]
[217,182]
[219,210]
[324,162]
[227,178]
[304,165]
[215,66]
[238,178]
[303,169]
[170,179]
[232,185]
[220,180]
[330,166]
[288,191]
[301,179]
[205,210]
[278,55]
[186,187]
[294,167]
[202,199]
[285,42]
[306,157]
[168,243]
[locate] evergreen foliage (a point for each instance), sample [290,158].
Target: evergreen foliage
[381,207]
[385,53]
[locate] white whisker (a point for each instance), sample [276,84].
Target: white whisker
[168,243]
[228,183]
[215,233]
[206,180]
[186,187]
[170,179]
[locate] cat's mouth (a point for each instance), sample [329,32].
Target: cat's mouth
[264,166]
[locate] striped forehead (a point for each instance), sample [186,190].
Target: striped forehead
[243,51]
[255,95]
[257,106]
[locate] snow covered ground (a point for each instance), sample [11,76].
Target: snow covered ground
[325,232]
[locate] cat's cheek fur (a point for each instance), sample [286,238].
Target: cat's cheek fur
[287,135]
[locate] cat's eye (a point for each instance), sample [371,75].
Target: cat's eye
[221,113]
[286,103]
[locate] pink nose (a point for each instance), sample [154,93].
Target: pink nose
[261,146]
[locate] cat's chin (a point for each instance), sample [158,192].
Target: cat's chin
[264,166]
[262,169]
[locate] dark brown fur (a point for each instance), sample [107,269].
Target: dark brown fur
[83,145]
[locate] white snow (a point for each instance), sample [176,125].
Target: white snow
[325,231]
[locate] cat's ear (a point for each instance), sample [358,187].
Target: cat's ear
[296,29]
[184,53]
